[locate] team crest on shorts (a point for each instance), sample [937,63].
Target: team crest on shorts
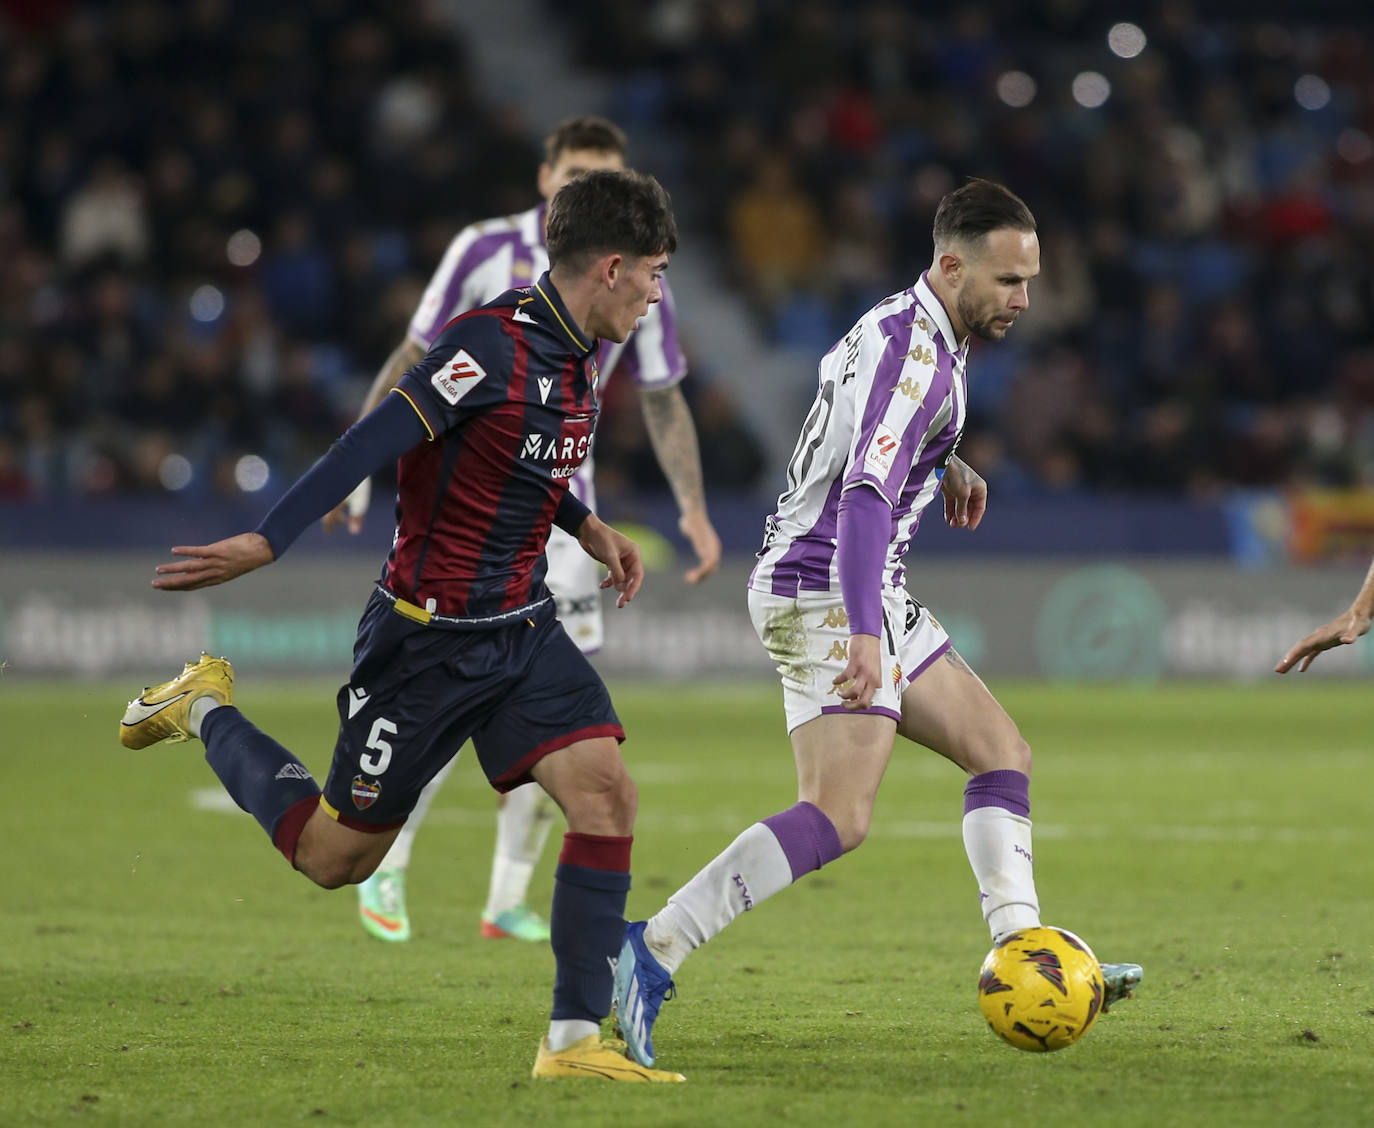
[365,792]
[896,675]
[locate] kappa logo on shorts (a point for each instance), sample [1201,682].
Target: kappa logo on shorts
[365,792]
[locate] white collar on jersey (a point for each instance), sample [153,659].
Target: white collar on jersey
[936,308]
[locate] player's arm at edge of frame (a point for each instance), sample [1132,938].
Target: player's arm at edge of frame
[1341,631]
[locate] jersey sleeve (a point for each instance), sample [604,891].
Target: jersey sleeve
[466,371]
[897,410]
[449,292]
[653,356]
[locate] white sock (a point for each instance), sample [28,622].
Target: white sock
[199,707]
[522,827]
[745,874]
[563,1032]
[398,857]
[998,844]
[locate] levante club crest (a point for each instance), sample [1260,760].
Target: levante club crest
[365,792]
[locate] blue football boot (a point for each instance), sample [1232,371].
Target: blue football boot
[641,987]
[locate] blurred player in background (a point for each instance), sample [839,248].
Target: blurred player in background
[484,260]
[461,638]
[861,660]
[1341,631]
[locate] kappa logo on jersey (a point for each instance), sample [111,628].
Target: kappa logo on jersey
[458,377]
[882,449]
[568,451]
[912,389]
[923,354]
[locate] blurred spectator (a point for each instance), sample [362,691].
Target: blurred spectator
[776,232]
[105,216]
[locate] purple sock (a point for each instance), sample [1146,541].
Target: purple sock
[1003,788]
[806,836]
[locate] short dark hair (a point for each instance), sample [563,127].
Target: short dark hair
[606,212]
[968,213]
[587,132]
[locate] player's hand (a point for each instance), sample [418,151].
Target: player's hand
[860,679]
[210,564]
[966,495]
[352,509]
[701,535]
[1338,632]
[618,552]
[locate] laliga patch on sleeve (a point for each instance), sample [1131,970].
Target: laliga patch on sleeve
[882,450]
[458,377]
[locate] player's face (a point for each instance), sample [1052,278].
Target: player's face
[637,285]
[996,275]
[574,162]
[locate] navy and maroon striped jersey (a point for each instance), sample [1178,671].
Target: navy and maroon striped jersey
[507,394]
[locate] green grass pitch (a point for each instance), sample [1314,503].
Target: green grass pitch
[162,966]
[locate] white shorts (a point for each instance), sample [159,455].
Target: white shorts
[808,637]
[575,580]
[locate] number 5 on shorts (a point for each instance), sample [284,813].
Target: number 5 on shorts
[379,764]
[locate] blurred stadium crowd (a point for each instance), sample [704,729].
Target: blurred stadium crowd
[1204,188]
[216,217]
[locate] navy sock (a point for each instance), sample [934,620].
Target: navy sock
[261,776]
[588,923]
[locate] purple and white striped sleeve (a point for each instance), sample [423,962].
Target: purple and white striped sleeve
[653,357]
[443,297]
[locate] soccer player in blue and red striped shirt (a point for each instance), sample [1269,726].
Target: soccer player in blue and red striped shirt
[485,260]
[460,638]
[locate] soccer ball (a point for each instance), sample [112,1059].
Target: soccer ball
[1040,989]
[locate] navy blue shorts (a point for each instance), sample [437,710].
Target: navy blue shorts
[418,692]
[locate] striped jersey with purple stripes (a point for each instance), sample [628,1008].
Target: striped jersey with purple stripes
[488,258]
[887,415]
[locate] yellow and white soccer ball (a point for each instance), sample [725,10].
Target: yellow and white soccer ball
[1040,989]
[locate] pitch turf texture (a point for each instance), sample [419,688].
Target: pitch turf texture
[162,966]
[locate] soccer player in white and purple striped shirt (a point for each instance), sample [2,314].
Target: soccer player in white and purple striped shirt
[861,660]
[483,261]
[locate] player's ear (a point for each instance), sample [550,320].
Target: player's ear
[951,268]
[612,267]
[546,180]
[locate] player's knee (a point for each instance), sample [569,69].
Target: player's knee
[851,821]
[332,871]
[1006,751]
[606,798]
